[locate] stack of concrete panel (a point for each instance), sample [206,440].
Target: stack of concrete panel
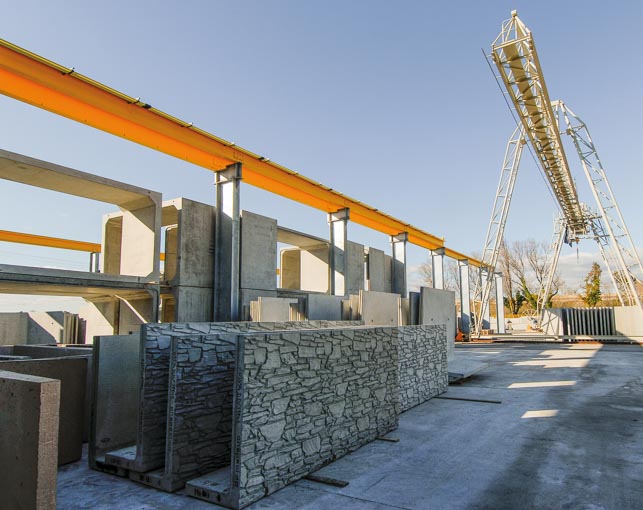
[28,441]
[302,399]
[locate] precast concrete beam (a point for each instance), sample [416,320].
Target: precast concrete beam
[398,271]
[338,223]
[227,246]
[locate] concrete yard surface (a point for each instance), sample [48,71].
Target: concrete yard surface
[567,433]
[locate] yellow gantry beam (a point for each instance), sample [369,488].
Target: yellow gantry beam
[32,79]
[49,242]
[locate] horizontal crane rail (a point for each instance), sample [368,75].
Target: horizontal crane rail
[35,80]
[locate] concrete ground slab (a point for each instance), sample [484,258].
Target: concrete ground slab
[567,434]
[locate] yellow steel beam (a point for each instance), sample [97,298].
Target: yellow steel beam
[49,242]
[35,80]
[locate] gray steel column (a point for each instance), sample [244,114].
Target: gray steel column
[500,304]
[486,313]
[398,271]
[437,268]
[227,246]
[465,297]
[337,266]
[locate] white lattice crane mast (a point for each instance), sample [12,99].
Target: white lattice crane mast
[514,54]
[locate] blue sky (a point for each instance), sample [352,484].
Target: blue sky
[392,103]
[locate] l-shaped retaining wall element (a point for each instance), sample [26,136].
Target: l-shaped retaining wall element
[301,400]
[332,389]
[149,452]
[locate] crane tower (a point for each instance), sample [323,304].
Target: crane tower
[541,124]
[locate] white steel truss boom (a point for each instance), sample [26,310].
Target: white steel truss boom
[515,56]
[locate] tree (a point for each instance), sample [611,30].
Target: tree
[514,298]
[592,294]
[525,269]
[451,275]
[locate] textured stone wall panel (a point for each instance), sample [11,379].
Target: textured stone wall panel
[423,371]
[304,399]
[155,366]
[199,425]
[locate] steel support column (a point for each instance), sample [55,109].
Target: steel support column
[500,304]
[398,272]
[337,267]
[465,297]
[437,268]
[484,310]
[227,247]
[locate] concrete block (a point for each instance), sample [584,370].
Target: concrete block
[13,328]
[324,307]
[628,320]
[405,312]
[116,380]
[437,306]
[72,374]
[379,308]
[193,243]
[28,441]
[290,269]
[258,252]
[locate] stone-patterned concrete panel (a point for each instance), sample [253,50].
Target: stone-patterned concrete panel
[305,398]
[155,364]
[423,364]
[199,425]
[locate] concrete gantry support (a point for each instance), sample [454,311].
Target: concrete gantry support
[465,297]
[398,271]
[500,303]
[227,246]
[338,222]
[437,267]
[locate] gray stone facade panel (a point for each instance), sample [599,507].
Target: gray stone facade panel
[423,367]
[306,398]
[155,369]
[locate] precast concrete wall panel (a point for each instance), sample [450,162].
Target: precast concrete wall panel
[379,308]
[155,361]
[423,370]
[115,399]
[302,399]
